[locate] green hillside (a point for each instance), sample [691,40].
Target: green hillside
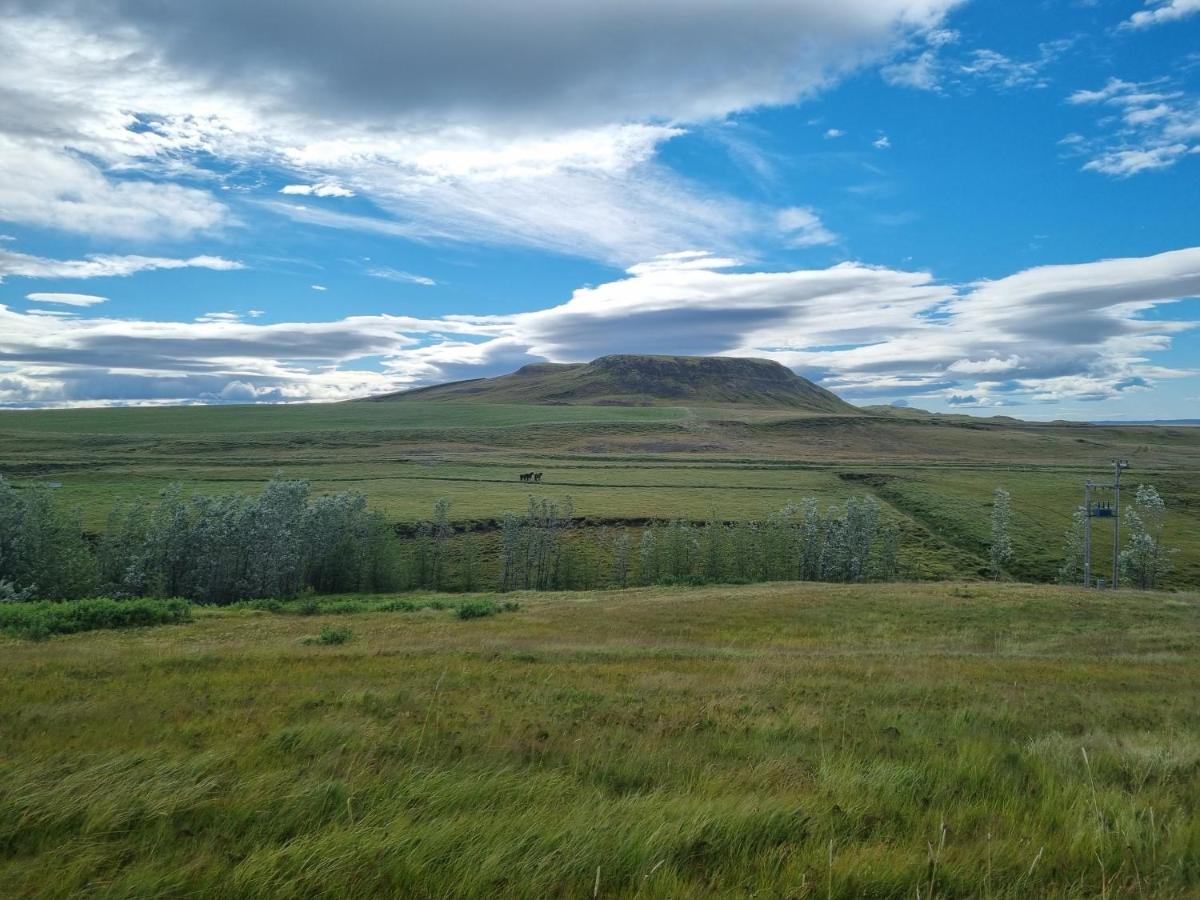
[631,380]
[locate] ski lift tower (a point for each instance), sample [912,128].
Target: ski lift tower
[1095,508]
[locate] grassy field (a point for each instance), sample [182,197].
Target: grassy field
[935,476]
[772,741]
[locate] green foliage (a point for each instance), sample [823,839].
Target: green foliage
[331,636]
[477,609]
[798,542]
[43,554]
[38,621]
[224,548]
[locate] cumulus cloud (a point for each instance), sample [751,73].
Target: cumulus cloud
[66,299]
[1077,332]
[1163,11]
[537,123]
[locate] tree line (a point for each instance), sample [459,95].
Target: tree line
[210,549]
[286,541]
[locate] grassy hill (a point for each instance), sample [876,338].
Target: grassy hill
[774,741]
[630,380]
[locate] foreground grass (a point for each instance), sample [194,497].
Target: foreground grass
[774,741]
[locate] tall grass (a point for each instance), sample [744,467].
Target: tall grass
[779,741]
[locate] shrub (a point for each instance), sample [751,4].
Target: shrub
[38,621]
[331,636]
[477,609]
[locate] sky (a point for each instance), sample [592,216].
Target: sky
[980,207]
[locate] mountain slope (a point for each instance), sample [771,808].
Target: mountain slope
[629,380]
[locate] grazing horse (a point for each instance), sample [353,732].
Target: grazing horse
[537,476]
[527,476]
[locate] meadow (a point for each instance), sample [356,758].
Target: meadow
[935,476]
[949,740]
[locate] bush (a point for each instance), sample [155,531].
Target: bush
[38,621]
[331,637]
[477,609]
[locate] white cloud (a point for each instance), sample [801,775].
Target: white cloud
[1005,72]
[802,227]
[67,299]
[1150,125]
[535,124]
[387,273]
[1051,333]
[1163,11]
[101,265]
[319,287]
[833,133]
[882,142]
[921,72]
[941,67]
[326,189]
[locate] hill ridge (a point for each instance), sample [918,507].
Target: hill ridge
[629,379]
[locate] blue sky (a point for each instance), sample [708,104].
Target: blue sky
[962,206]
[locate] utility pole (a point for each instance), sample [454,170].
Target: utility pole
[1119,465]
[1103,510]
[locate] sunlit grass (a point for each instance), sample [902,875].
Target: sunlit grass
[782,740]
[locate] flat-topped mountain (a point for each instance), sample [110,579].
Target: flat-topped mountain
[632,380]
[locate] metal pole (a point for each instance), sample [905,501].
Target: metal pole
[1087,534]
[1118,465]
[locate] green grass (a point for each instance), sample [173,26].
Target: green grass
[772,741]
[39,621]
[934,476]
[315,417]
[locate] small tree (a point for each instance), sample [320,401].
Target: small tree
[511,553]
[1144,561]
[648,557]
[621,552]
[1071,571]
[1001,548]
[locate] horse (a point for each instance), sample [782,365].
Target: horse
[537,476]
[527,476]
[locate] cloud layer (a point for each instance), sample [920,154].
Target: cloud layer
[1045,334]
[536,123]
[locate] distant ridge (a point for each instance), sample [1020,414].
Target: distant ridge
[634,380]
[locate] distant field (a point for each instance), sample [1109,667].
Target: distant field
[626,463]
[804,741]
[206,420]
